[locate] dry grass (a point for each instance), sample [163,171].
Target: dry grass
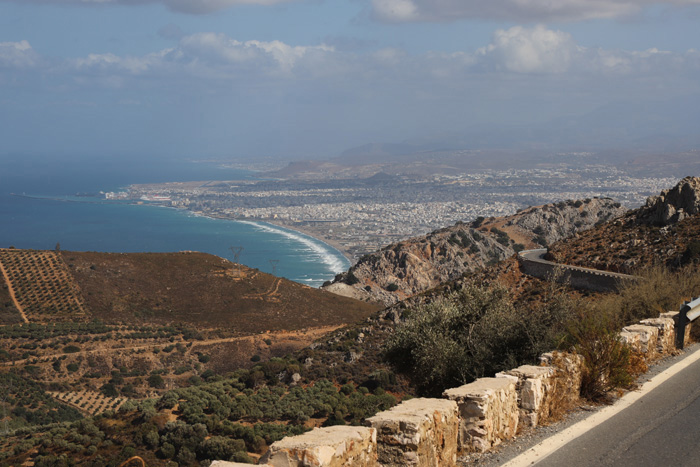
[204,291]
[563,396]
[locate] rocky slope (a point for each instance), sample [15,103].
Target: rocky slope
[412,266]
[662,232]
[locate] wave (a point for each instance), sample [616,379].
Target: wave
[331,257]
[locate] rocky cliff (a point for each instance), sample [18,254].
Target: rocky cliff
[674,205]
[403,269]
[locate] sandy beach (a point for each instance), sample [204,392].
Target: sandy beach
[276,222]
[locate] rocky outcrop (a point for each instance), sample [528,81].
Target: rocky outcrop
[674,205]
[406,268]
[662,232]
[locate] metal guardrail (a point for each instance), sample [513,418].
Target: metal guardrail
[689,312]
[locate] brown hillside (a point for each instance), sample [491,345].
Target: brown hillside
[204,291]
[625,246]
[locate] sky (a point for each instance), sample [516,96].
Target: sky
[247,79]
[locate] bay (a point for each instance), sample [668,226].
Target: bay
[38,209]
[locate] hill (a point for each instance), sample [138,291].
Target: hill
[195,289]
[406,268]
[132,324]
[628,243]
[663,232]
[203,291]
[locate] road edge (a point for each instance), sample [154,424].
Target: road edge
[549,445]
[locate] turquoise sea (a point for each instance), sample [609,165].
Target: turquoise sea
[39,208]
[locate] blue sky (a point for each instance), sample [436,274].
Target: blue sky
[310,78]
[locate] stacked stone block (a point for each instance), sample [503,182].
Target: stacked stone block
[418,432]
[643,339]
[667,335]
[335,446]
[535,386]
[674,315]
[569,374]
[488,411]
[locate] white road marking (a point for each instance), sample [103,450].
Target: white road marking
[546,447]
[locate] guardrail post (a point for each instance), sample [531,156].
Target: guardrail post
[690,311]
[680,326]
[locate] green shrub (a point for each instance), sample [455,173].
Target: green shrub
[109,390]
[691,253]
[351,279]
[156,381]
[203,358]
[469,334]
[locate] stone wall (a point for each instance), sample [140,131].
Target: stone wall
[534,265]
[473,417]
[488,412]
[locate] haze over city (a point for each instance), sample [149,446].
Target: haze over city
[310,79]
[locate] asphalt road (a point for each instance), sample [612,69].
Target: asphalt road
[662,428]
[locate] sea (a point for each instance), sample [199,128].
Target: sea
[45,202]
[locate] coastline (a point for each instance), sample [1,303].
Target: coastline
[307,232]
[315,235]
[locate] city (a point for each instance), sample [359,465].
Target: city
[361,215]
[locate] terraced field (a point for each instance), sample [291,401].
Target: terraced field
[41,287]
[91,402]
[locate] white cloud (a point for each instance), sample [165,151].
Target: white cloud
[132,65]
[545,51]
[215,57]
[535,50]
[205,56]
[17,55]
[518,10]
[225,50]
[183,6]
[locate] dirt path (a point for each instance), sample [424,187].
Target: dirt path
[310,332]
[12,293]
[271,295]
